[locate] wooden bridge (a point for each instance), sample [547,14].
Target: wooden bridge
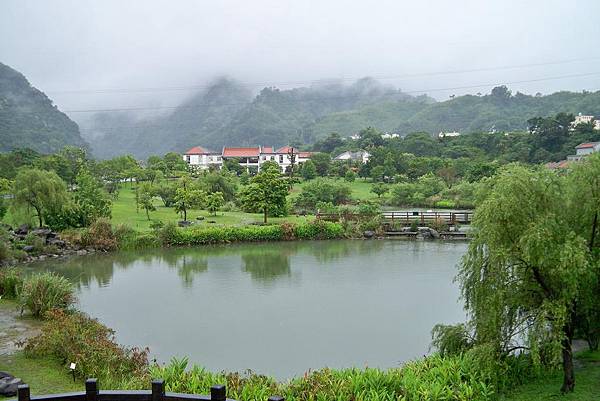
[92,393]
[408,217]
[428,218]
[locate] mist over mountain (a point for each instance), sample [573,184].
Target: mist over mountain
[227,114]
[28,117]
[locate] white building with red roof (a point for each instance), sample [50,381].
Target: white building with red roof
[203,158]
[587,148]
[250,157]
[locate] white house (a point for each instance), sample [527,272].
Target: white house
[587,148]
[581,119]
[358,156]
[250,157]
[203,158]
[390,136]
[448,134]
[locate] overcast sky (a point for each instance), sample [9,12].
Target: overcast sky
[63,45]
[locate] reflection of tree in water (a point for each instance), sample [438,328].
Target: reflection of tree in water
[327,251]
[266,265]
[189,266]
[82,271]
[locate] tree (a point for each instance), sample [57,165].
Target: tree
[532,261]
[43,191]
[90,198]
[378,174]
[267,191]
[379,189]
[4,189]
[321,191]
[214,202]
[350,176]
[145,199]
[322,162]
[187,197]
[309,170]
[166,192]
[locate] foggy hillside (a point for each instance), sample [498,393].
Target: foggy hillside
[29,119]
[227,114]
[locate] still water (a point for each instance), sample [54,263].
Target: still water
[276,308]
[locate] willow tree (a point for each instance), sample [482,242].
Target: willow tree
[529,265]
[43,191]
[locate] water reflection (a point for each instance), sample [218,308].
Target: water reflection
[277,308]
[264,262]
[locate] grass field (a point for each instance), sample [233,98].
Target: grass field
[124,210]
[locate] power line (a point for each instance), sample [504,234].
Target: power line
[122,109]
[318,81]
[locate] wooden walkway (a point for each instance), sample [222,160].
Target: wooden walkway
[426,218]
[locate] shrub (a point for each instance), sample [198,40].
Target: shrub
[36,242]
[45,291]
[431,378]
[100,235]
[322,190]
[5,253]
[10,283]
[167,234]
[319,229]
[74,337]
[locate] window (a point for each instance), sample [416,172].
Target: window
[280,158]
[187,158]
[272,158]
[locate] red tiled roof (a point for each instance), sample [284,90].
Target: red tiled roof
[198,150]
[241,152]
[267,149]
[587,145]
[559,164]
[305,154]
[286,150]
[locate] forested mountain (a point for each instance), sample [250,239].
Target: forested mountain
[199,120]
[28,119]
[500,110]
[226,114]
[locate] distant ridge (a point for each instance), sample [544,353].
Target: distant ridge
[28,119]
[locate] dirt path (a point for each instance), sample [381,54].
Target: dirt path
[14,328]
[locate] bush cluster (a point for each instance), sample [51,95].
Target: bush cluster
[431,378]
[75,337]
[43,292]
[172,236]
[11,282]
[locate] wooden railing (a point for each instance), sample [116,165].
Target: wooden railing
[407,218]
[424,218]
[92,393]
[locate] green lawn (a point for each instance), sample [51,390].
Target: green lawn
[124,210]
[44,376]
[587,384]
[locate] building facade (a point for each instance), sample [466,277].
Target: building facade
[252,158]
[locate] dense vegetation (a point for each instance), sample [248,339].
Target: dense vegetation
[225,114]
[28,119]
[531,276]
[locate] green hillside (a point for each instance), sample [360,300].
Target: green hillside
[28,119]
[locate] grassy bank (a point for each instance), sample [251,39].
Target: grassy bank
[45,376]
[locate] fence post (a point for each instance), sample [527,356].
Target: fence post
[218,393]
[276,398]
[158,389]
[91,389]
[23,392]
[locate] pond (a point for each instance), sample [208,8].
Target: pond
[276,308]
